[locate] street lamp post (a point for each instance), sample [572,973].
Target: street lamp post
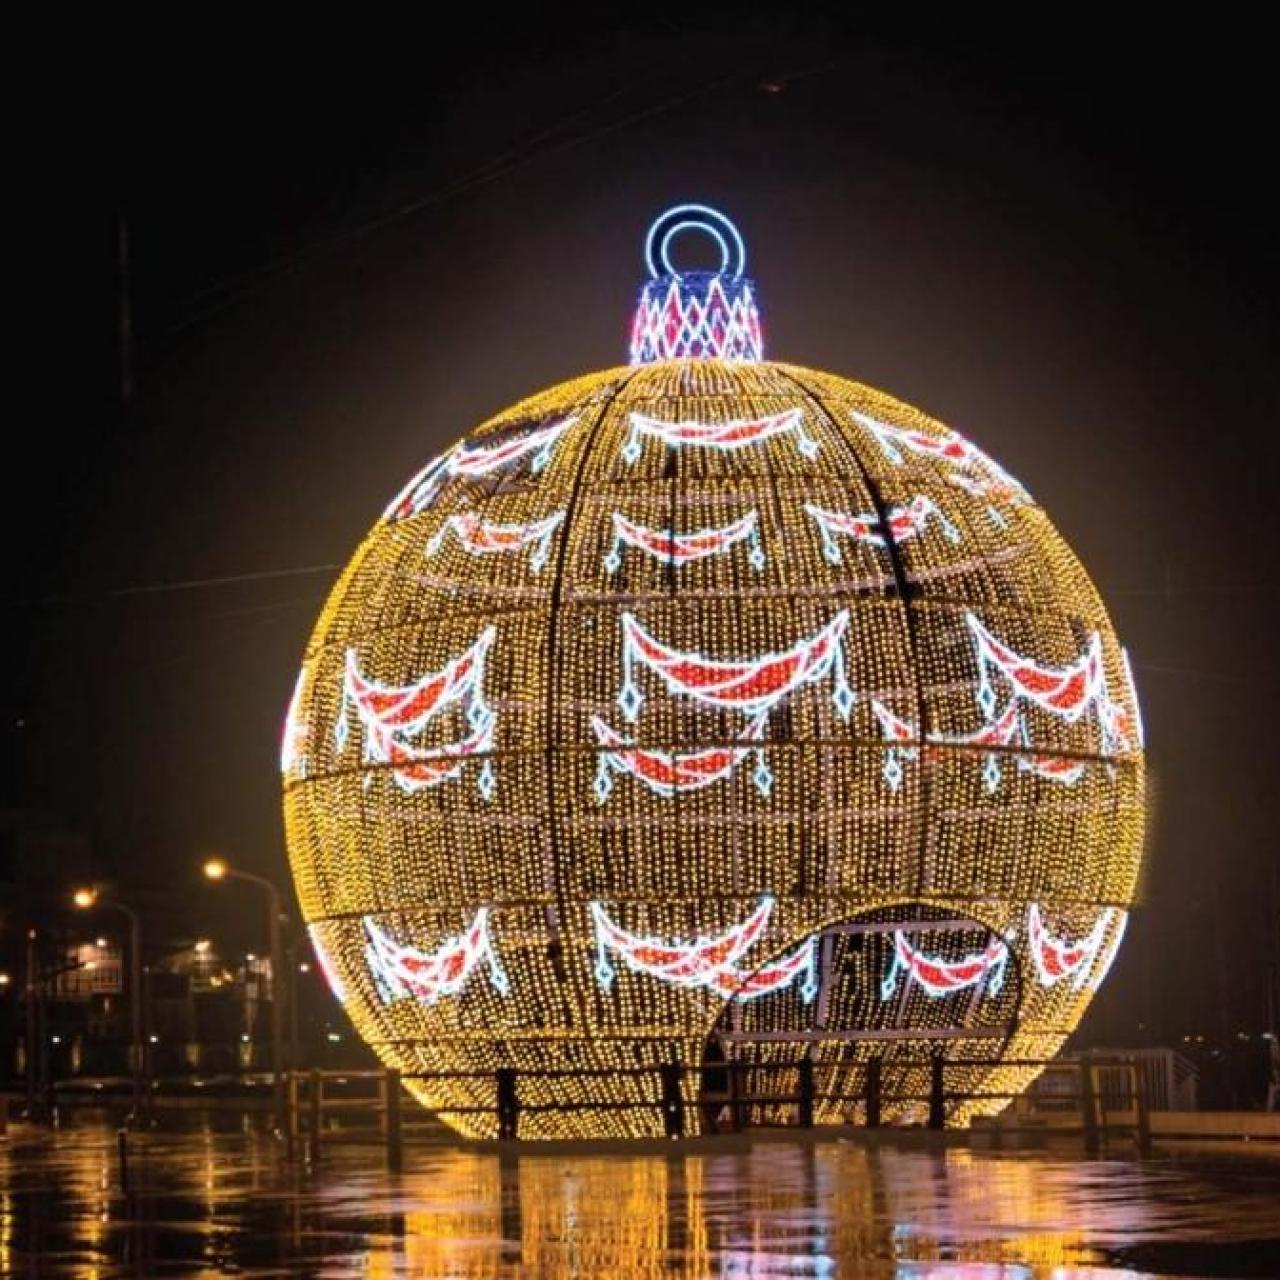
[218,869]
[291,964]
[7,1038]
[33,1023]
[86,899]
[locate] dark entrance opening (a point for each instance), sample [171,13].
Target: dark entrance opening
[714,1094]
[898,987]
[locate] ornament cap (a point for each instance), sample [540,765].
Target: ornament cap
[695,314]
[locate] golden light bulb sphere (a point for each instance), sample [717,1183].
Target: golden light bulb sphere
[953,778]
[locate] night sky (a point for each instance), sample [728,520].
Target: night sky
[1062,242]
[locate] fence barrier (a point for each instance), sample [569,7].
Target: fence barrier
[317,1095]
[1094,1097]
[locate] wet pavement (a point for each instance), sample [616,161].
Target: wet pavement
[215,1203]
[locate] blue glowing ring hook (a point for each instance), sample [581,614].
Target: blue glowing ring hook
[694,217]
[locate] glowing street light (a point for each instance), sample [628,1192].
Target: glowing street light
[217,870]
[86,899]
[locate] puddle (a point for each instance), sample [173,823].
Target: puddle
[216,1202]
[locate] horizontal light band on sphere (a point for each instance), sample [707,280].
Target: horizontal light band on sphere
[712,696]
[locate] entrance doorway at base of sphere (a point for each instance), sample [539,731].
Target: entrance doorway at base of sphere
[891,997]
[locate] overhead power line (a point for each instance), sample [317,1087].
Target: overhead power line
[246,284]
[188,584]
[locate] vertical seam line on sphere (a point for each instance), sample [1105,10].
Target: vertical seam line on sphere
[901,580]
[553,637]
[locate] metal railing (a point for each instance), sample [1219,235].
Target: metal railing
[311,1096]
[1103,1097]
[1094,1097]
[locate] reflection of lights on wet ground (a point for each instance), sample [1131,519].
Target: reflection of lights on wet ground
[220,1199]
[6,1233]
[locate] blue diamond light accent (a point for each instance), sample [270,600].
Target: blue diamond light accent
[892,769]
[603,785]
[991,773]
[630,700]
[763,775]
[843,697]
[986,699]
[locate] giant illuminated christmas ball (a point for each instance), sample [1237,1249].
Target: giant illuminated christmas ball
[712,708]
